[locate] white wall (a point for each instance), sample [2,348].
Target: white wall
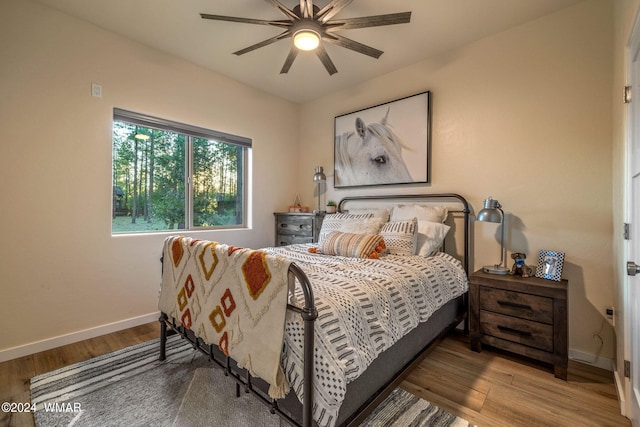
[523,116]
[61,271]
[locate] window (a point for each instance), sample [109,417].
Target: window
[172,176]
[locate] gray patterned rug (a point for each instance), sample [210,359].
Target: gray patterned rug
[130,387]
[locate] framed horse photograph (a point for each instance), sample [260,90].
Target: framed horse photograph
[384,144]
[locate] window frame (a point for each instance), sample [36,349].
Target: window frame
[190,132]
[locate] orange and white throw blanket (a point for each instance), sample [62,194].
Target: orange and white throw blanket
[233,297]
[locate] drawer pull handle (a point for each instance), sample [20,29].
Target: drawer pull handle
[513,331]
[514,305]
[284,225]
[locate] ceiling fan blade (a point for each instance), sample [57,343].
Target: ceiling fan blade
[289,61]
[245,20]
[282,8]
[263,43]
[369,21]
[332,9]
[306,8]
[353,45]
[326,61]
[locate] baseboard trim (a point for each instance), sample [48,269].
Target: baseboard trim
[620,390]
[591,359]
[48,344]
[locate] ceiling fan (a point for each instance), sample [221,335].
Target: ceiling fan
[308,25]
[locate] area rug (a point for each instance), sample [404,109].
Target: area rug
[130,387]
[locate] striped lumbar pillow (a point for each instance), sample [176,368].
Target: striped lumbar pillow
[351,245]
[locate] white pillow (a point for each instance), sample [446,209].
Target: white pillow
[400,237]
[423,213]
[333,222]
[375,213]
[430,237]
[362,226]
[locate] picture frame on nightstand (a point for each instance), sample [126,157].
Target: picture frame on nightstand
[550,265]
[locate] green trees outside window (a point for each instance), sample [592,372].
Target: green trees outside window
[170,176]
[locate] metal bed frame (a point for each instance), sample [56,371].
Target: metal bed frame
[309,314]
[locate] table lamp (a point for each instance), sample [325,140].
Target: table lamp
[319,177]
[492,212]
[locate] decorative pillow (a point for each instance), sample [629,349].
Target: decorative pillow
[401,237]
[363,226]
[422,212]
[333,222]
[351,245]
[375,212]
[430,237]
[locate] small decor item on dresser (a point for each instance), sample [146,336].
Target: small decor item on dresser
[519,267]
[550,265]
[331,207]
[297,207]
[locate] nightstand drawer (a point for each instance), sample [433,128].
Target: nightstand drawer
[524,306]
[295,226]
[525,332]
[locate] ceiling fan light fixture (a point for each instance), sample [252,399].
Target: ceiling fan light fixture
[306,39]
[309,26]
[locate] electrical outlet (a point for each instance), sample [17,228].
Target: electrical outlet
[610,313]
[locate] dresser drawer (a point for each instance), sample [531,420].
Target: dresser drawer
[295,226]
[521,331]
[524,306]
[290,239]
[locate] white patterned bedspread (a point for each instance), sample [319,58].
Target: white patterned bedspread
[364,307]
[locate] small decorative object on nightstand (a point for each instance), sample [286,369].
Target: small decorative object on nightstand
[297,227]
[550,265]
[527,316]
[520,268]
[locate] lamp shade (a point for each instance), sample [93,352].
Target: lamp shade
[319,175]
[491,211]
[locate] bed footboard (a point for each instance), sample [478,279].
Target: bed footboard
[308,313]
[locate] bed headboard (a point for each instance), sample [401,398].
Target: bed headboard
[457,206]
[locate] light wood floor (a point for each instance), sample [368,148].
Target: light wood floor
[493,388]
[488,388]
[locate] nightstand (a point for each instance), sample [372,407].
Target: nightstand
[297,227]
[526,316]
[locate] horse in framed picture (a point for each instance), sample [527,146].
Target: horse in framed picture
[371,154]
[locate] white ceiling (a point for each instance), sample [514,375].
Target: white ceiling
[175,26]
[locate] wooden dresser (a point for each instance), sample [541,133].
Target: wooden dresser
[297,227]
[527,316]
